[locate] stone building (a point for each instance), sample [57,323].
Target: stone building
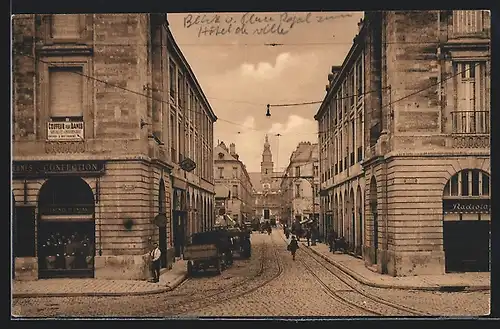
[299,186]
[232,184]
[265,184]
[108,123]
[404,142]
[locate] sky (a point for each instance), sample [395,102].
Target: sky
[240,71]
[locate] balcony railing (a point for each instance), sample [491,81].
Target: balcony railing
[470,122]
[470,22]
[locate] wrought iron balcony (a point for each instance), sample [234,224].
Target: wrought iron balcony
[470,122]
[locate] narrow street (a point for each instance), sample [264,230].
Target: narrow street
[268,284]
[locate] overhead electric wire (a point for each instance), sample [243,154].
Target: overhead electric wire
[274,105]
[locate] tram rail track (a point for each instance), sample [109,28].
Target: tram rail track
[369,301]
[227,293]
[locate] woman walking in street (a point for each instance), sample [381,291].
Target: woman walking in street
[293,246]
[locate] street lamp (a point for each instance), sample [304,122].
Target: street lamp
[268,112]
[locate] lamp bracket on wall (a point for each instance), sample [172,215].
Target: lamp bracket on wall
[157,140]
[143,123]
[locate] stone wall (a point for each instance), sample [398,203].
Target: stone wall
[120,58]
[23,74]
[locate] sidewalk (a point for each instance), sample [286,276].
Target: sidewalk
[169,279]
[355,267]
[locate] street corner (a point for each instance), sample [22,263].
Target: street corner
[174,282]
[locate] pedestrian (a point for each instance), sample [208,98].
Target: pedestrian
[331,240]
[293,246]
[155,262]
[308,236]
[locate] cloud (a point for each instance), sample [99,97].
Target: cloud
[239,85]
[265,70]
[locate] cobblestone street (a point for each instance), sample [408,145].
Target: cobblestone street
[269,284]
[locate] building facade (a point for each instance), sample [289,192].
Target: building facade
[232,184]
[299,186]
[418,111]
[108,123]
[266,194]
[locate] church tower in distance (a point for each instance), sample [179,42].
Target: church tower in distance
[267,165]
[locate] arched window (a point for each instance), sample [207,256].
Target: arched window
[466,196]
[467,183]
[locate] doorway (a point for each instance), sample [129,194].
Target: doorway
[178,230]
[66,228]
[466,222]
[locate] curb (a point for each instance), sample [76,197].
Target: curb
[176,282]
[365,281]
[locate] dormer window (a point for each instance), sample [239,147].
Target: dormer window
[221,155]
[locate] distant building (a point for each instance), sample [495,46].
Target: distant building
[299,186]
[405,142]
[233,187]
[106,114]
[266,187]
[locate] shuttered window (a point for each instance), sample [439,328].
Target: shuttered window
[66,93]
[65,26]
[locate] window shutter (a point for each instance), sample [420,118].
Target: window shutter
[65,26]
[66,92]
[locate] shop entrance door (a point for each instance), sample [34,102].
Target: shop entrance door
[178,228]
[466,222]
[66,228]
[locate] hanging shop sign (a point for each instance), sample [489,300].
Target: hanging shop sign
[65,131]
[466,205]
[22,169]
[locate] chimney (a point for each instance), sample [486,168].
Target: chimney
[232,149]
[331,76]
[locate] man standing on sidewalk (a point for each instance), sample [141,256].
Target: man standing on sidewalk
[155,262]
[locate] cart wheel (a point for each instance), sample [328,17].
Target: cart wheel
[219,266]
[190,268]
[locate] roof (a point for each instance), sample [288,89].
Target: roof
[357,45]
[197,86]
[221,148]
[305,152]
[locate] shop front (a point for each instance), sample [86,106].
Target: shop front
[466,222]
[65,217]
